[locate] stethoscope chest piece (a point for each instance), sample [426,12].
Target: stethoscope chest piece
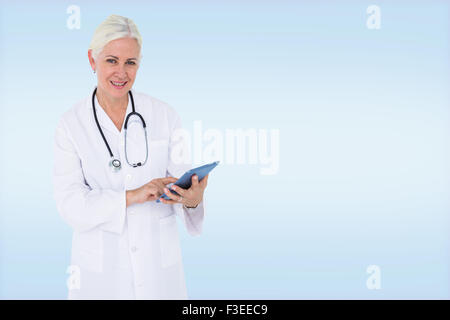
[115,165]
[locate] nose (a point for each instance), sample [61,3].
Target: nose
[121,72]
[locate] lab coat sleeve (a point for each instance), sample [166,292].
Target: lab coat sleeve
[80,206]
[192,217]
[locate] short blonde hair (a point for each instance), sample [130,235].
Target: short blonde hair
[114,27]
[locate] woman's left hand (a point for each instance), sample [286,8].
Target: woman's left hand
[189,197]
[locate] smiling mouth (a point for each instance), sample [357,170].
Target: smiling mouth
[118,85]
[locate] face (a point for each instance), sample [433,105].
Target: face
[116,67]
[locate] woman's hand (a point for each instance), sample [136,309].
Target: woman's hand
[149,191]
[189,197]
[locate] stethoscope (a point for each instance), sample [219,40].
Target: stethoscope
[115,164]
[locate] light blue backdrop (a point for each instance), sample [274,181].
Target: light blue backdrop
[364,141]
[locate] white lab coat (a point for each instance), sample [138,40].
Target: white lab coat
[120,252]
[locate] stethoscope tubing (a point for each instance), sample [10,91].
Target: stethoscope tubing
[115,163]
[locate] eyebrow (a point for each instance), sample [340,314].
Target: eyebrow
[119,59]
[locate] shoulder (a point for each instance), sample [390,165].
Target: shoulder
[162,117]
[157,105]
[157,108]
[76,113]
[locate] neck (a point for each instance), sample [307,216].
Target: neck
[112,104]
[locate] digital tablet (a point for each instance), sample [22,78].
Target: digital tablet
[186,179]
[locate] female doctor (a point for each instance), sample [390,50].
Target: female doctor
[112,161]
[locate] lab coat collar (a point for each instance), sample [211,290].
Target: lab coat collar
[103,119]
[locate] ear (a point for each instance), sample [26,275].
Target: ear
[91,59]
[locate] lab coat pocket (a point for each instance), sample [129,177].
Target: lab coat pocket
[169,241]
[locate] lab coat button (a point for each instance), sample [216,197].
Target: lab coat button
[133,249]
[128,176]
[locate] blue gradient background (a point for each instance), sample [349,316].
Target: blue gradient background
[364,141]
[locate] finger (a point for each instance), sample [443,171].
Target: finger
[204,181]
[172,195]
[194,180]
[154,189]
[168,201]
[168,180]
[160,186]
[179,190]
[151,189]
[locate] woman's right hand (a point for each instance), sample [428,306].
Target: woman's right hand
[149,191]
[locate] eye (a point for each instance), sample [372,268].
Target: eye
[131,62]
[111,60]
